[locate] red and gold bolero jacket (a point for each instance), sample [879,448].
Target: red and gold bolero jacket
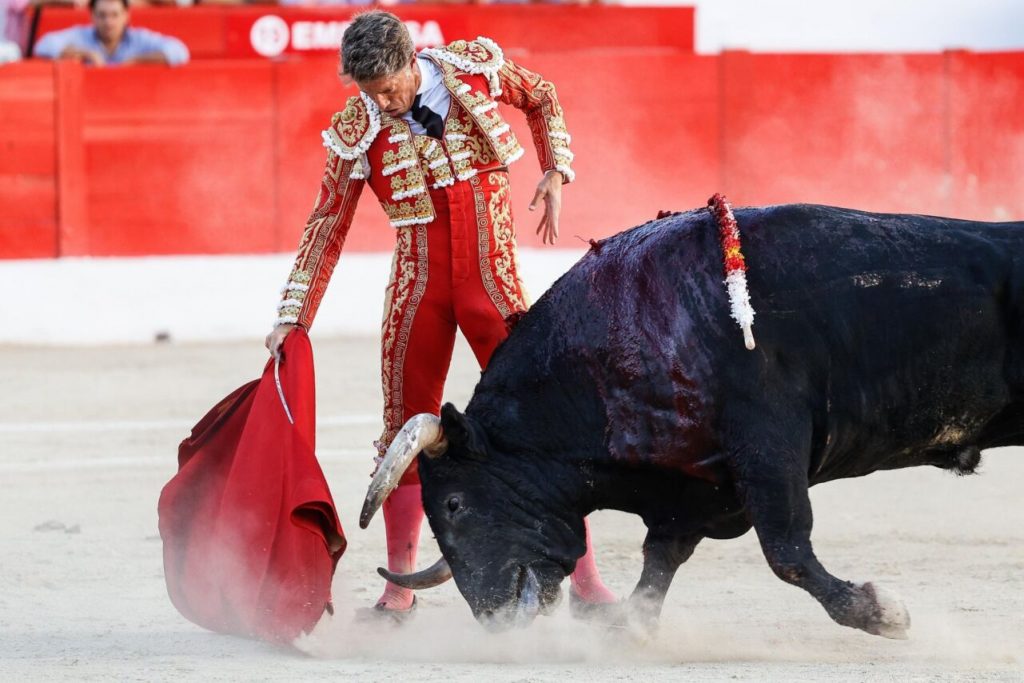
[366,145]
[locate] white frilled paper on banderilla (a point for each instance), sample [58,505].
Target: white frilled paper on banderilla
[735,266]
[739,299]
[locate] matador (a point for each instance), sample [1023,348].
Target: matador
[427,136]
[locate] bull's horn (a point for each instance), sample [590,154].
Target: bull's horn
[421,433]
[434,575]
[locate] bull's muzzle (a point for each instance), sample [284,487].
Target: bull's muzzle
[422,433]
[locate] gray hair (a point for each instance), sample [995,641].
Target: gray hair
[375,44]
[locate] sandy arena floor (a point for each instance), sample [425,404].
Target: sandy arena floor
[88,437]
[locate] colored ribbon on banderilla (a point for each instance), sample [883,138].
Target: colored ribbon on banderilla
[735,266]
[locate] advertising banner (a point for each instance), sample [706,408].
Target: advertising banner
[284,32]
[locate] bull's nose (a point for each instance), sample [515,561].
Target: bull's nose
[529,594]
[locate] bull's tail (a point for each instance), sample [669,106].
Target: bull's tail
[735,266]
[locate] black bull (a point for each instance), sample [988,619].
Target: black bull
[883,341]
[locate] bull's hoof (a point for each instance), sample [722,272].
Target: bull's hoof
[641,623]
[639,618]
[885,614]
[633,620]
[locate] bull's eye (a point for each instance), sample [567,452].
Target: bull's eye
[454,504]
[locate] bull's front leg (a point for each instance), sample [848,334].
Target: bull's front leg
[772,482]
[663,554]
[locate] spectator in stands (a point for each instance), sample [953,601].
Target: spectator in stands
[15,16]
[109,40]
[12,19]
[9,52]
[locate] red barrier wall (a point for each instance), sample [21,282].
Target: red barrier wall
[28,162]
[225,157]
[856,130]
[986,131]
[192,163]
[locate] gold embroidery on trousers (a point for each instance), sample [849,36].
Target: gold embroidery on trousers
[402,298]
[506,266]
[506,297]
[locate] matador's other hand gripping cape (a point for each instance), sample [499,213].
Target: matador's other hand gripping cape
[251,536]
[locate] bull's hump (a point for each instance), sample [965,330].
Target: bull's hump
[630,315]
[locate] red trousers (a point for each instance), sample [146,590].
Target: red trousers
[459,270]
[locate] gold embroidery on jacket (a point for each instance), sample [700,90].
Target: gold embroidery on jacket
[462,124]
[413,211]
[352,123]
[434,161]
[321,242]
[478,54]
[406,184]
[409,202]
[317,233]
[490,129]
[482,107]
[352,130]
[468,150]
[528,91]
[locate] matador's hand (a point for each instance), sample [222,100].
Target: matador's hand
[549,189]
[276,338]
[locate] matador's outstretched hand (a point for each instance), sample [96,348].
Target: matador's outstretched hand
[276,338]
[549,189]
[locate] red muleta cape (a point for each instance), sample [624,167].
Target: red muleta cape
[251,536]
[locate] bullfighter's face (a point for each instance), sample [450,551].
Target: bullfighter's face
[394,93]
[507,545]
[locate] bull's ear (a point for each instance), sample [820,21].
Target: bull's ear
[462,431]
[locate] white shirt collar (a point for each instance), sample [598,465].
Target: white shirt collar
[430,76]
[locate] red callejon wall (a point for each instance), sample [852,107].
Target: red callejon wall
[986,129]
[28,161]
[869,131]
[191,163]
[224,156]
[305,103]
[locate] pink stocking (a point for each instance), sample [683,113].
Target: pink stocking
[403,516]
[586,580]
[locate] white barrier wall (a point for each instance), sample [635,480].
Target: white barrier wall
[199,298]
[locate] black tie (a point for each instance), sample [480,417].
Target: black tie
[428,119]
